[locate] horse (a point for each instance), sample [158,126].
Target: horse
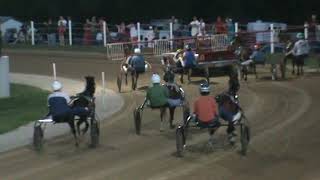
[126,68]
[84,100]
[175,64]
[176,94]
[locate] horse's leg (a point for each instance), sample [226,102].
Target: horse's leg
[181,78]
[83,119]
[136,81]
[189,75]
[126,78]
[293,65]
[172,109]
[73,130]
[255,70]
[246,73]
[162,114]
[132,80]
[78,126]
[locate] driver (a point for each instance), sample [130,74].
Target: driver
[300,51]
[189,58]
[59,108]
[157,96]
[205,110]
[135,63]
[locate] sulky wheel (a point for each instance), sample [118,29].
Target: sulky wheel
[180,141]
[119,81]
[38,138]
[137,120]
[245,138]
[186,113]
[94,133]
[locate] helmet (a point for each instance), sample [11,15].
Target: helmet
[204,87]
[256,46]
[155,79]
[187,47]
[300,36]
[137,50]
[56,86]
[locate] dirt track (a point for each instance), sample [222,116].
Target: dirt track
[283,116]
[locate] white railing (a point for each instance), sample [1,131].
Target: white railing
[161,46]
[220,42]
[115,51]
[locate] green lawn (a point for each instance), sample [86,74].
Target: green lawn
[26,104]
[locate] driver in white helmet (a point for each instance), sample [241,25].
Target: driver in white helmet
[300,51]
[158,95]
[59,108]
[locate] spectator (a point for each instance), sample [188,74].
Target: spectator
[94,25]
[156,33]
[87,35]
[99,38]
[195,26]
[62,21]
[150,36]
[202,28]
[51,33]
[61,32]
[314,27]
[22,34]
[220,26]
[230,28]
[133,32]
[122,28]
[175,25]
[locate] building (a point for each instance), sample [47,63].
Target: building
[9,23]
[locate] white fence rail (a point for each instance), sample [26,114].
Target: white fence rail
[115,51]
[161,46]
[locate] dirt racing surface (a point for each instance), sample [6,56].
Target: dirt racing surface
[283,119]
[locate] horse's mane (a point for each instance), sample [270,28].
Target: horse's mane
[90,87]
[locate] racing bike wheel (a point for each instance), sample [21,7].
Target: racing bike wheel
[245,138]
[180,141]
[38,138]
[186,113]
[137,120]
[119,81]
[94,133]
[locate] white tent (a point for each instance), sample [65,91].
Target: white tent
[9,23]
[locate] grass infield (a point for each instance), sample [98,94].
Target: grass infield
[25,105]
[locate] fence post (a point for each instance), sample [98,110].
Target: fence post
[271,38]
[171,35]
[236,28]
[70,32]
[306,31]
[4,77]
[103,89]
[32,33]
[54,71]
[139,34]
[104,33]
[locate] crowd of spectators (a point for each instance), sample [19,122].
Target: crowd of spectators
[91,31]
